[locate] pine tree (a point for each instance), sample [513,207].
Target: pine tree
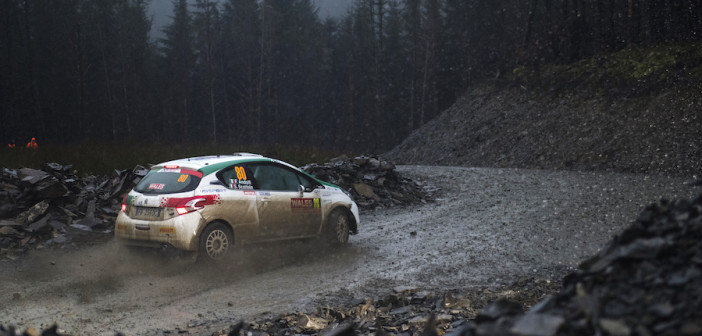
[178,50]
[241,69]
[207,28]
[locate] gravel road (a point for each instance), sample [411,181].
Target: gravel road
[486,228]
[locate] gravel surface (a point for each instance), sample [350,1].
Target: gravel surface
[655,133]
[487,228]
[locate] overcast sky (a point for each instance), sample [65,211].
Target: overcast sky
[162,10]
[333,7]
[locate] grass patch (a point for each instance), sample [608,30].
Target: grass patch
[103,158]
[653,66]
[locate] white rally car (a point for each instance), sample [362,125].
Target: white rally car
[210,203]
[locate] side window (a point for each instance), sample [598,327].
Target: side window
[270,177]
[237,177]
[262,176]
[306,182]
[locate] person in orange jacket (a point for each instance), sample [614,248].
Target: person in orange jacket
[32,144]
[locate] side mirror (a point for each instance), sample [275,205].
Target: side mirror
[216,182]
[301,190]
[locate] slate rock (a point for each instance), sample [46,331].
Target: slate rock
[537,324]
[31,176]
[645,281]
[371,181]
[34,212]
[45,202]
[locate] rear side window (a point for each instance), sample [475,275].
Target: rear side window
[237,177]
[168,181]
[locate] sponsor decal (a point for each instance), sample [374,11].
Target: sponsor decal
[181,171]
[192,172]
[167,229]
[212,191]
[249,193]
[264,193]
[157,186]
[305,205]
[172,202]
[241,184]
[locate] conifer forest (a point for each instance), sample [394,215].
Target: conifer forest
[274,71]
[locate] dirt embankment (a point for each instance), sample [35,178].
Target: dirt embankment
[658,132]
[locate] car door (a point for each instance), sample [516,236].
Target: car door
[284,211]
[236,202]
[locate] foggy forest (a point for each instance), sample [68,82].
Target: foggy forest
[273,71]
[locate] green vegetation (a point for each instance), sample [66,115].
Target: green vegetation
[104,158]
[656,65]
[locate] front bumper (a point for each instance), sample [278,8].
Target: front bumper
[181,232]
[356,216]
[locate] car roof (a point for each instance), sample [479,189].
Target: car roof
[211,163]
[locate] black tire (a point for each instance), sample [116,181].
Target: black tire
[338,227]
[216,241]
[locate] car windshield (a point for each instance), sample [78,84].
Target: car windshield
[168,181]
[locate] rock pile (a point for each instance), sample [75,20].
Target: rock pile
[371,181]
[405,311]
[12,331]
[647,281]
[52,206]
[48,206]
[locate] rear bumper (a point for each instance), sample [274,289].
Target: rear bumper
[181,232]
[146,243]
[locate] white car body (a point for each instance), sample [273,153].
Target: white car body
[249,197]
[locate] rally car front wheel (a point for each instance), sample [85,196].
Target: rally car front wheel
[338,227]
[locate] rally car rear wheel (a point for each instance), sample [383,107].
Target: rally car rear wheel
[338,227]
[215,241]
